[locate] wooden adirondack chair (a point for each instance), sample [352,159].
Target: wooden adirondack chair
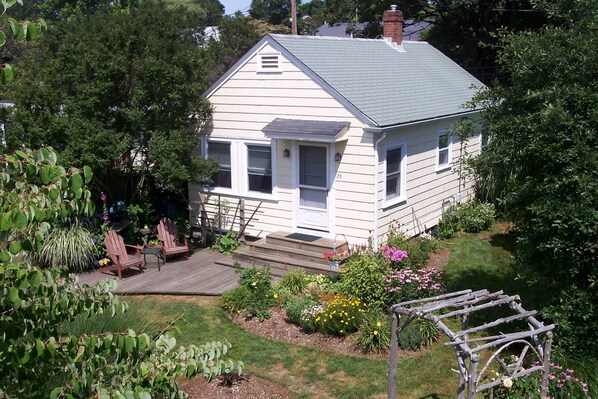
[117,250]
[169,238]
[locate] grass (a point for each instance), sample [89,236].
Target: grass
[477,261]
[308,373]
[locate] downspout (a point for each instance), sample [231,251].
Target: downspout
[376,191]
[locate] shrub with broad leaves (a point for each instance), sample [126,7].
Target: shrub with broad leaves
[37,360]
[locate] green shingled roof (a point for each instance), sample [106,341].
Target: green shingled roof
[387,86]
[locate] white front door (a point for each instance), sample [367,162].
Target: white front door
[312,202]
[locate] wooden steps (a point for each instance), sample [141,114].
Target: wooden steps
[284,254]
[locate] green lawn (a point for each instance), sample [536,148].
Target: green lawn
[477,261]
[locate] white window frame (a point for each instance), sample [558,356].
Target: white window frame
[449,149]
[239,168]
[262,59]
[218,189]
[402,196]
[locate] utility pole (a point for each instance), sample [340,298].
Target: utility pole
[293,17]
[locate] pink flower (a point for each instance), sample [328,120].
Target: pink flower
[103,197]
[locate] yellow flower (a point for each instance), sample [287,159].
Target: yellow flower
[378,324]
[341,331]
[507,382]
[375,332]
[275,295]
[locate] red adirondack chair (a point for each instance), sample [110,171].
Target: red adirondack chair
[117,250]
[169,238]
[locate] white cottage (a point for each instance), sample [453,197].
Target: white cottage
[339,136]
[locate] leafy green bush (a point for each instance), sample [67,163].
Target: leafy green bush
[365,277]
[341,316]
[37,360]
[227,243]
[471,217]
[235,300]
[254,296]
[475,216]
[448,225]
[374,332]
[295,281]
[320,283]
[72,248]
[296,307]
[418,248]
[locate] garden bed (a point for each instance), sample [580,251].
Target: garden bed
[279,328]
[243,387]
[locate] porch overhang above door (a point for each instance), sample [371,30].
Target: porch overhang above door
[307,130]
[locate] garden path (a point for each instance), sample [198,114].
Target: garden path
[198,275]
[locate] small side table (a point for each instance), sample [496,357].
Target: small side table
[156,251]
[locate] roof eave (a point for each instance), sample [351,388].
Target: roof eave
[382,128]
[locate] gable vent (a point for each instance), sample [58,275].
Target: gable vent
[269,62]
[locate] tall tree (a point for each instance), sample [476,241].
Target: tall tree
[121,92]
[541,162]
[274,12]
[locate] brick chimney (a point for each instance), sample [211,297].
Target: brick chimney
[393,25]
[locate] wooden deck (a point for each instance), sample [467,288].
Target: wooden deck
[198,275]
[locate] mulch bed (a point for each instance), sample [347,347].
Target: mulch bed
[234,387]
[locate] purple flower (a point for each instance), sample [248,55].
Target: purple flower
[103,197]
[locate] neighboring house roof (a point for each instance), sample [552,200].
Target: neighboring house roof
[411,31]
[379,84]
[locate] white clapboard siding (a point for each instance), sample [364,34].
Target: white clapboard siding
[245,103]
[428,191]
[248,100]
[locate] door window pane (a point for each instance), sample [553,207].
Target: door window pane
[259,168]
[312,161]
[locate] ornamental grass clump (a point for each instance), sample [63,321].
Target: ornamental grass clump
[341,316]
[374,333]
[407,284]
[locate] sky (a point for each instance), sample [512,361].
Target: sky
[230,6]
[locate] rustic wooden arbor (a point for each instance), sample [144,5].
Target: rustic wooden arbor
[535,342]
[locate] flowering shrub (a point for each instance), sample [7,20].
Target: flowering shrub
[299,308]
[103,262]
[341,316]
[562,383]
[408,284]
[307,320]
[393,254]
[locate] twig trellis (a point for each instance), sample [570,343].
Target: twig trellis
[536,341]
